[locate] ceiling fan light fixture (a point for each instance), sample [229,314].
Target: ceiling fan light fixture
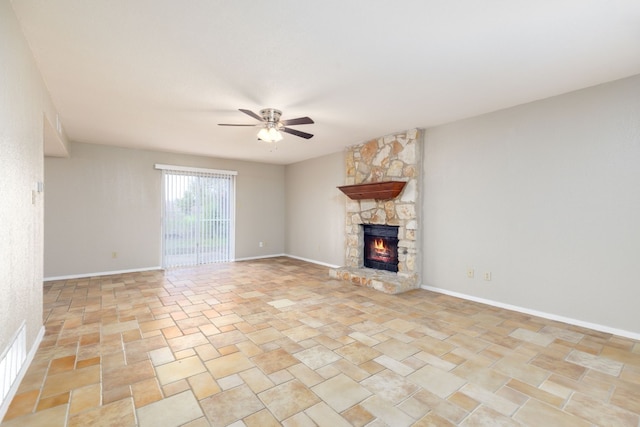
[275,135]
[270,132]
[263,134]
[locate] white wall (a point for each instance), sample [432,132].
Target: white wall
[106,199]
[24,104]
[315,210]
[546,196]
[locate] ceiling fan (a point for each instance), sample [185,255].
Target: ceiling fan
[272,126]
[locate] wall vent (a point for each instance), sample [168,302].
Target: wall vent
[11,362]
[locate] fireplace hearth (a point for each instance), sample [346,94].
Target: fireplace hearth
[380,247]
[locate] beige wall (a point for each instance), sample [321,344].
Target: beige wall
[315,209]
[546,196]
[107,199]
[24,103]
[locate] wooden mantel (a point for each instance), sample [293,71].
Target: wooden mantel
[373,190]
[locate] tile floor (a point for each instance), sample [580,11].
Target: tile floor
[276,342]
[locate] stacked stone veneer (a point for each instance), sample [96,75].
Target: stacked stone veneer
[395,157]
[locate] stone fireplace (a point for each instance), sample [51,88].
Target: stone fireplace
[392,158]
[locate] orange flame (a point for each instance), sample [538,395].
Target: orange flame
[378,245]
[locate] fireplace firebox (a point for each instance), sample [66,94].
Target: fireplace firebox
[381,247]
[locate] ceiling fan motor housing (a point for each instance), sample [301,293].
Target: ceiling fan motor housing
[271,115]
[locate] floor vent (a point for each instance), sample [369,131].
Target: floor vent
[12,361]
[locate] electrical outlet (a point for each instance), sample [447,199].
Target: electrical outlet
[470,273]
[261,244]
[487,276]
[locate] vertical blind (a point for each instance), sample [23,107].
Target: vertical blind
[198,216]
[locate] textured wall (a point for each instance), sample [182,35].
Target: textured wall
[315,209]
[546,197]
[106,199]
[24,102]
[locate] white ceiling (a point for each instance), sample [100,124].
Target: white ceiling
[161,74]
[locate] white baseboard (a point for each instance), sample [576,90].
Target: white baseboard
[101,273]
[312,261]
[259,257]
[138,270]
[23,370]
[544,315]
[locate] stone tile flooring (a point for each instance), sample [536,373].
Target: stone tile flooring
[277,342]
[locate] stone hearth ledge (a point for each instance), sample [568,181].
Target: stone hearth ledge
[383,281]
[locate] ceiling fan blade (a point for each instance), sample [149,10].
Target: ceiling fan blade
[229,124]
[252,114]
[298,121]
[297,133]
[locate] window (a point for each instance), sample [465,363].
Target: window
[198,216]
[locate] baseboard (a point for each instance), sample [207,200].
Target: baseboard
[138,270]
[544,315]
[23,370]
[259,257]
[102,273]
[312,261]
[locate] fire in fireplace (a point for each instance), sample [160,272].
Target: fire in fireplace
[381,247]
